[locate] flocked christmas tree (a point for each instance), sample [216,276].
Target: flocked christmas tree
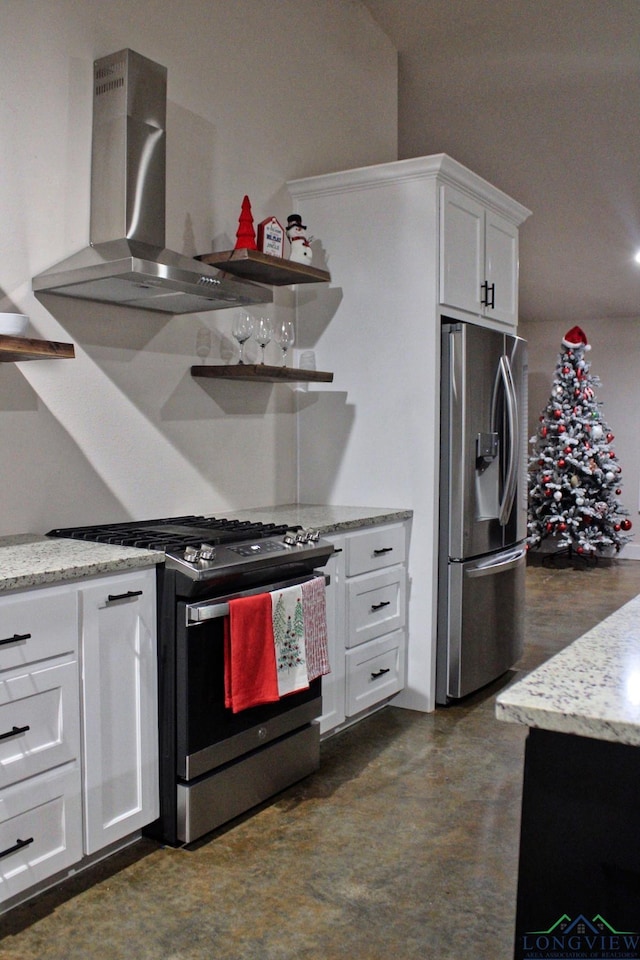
[574,475]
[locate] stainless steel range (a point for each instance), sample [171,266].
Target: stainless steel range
[216,764]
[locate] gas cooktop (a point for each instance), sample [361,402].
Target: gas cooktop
[201,547]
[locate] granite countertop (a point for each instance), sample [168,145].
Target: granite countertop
[29,560]
[591,688]
[324,518]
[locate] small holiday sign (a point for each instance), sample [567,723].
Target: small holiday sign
[271,237]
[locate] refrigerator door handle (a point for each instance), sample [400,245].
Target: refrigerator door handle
[491,567]
[510,484]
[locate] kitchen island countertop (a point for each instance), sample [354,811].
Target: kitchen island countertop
[324,518]
[31,560]
[589,689]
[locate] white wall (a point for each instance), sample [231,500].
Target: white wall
[259,92]
[615,346]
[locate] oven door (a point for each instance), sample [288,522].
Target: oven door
[209,735]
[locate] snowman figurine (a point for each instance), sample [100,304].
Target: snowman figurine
[301,251]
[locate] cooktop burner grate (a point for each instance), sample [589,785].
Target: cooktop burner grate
[173,533]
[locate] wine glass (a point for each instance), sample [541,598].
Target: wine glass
[286,338]
[264,334]
[242,330]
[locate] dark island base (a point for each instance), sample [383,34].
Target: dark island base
[579,873]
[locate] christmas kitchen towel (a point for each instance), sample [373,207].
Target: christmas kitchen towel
[288,636]
[314,608]
[249,656]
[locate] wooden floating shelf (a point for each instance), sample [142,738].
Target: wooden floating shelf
[261,373]
[16,349]
[264,268]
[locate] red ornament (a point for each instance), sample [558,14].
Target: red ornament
[562,428]
[543,431]
[610,437]
[562,527]
[616,527]
[557,414]
[611,454]
[626,524]
[548,492]
[567,449]
[561,463]
[566,370]
[549,527]
[618,492]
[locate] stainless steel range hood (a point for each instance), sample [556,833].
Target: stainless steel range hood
[127,262]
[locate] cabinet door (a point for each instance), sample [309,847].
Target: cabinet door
[333,683]
[501,267]
[119,688]
[462,252]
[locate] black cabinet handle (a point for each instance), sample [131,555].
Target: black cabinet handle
[379,606]
[380,673]
[19,844]
[488,294]
[378,553]
[16,638]
[123,596]
[14,732]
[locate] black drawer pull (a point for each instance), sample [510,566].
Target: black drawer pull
[19,844]
[16,638]
[14,732]
[380,673]
[124,596]
[378,553]
[379,606]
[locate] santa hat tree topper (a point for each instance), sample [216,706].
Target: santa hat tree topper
[574,475]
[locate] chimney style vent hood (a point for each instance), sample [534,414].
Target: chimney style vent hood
[127,262]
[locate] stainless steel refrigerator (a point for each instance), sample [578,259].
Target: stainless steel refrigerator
[483,507]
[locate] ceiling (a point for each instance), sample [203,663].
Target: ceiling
[541,98]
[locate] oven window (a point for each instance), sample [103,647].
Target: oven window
[203,719]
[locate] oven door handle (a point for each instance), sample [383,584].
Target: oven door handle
[203,612]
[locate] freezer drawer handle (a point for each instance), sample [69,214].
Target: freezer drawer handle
[19,844]
[379,606]
[380,673]
[378,553]
[123,596]
[14,732]
[16,638]
[489,569]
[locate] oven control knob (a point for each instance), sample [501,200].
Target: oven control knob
[191,554]
[301,537]
[289,538]
[312,536]
[207,552]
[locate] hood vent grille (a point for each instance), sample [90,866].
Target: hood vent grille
[127,262]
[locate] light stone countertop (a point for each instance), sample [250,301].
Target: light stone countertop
[324,518]
[29,560]
[591,688]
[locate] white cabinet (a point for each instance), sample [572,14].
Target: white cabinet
[119,707]
[373,435]
[478,258]
[78,724]
[40,772]
[366,614]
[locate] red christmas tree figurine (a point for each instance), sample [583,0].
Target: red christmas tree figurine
[246,235]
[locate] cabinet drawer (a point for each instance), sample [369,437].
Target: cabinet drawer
[39,722]
[40,829]
[375,671]
[36,627]
[376,605]
[375,548]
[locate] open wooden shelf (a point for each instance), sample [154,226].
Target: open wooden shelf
[261,373]
[14,349]
[264,268]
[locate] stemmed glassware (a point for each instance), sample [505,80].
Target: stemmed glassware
[264,334]
[242,330]
[286,338]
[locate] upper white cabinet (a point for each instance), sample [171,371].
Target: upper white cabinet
[120,707]
[478,258]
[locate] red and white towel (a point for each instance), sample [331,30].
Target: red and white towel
[275,644]
[314,607]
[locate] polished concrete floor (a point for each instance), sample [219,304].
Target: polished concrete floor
[403,846]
